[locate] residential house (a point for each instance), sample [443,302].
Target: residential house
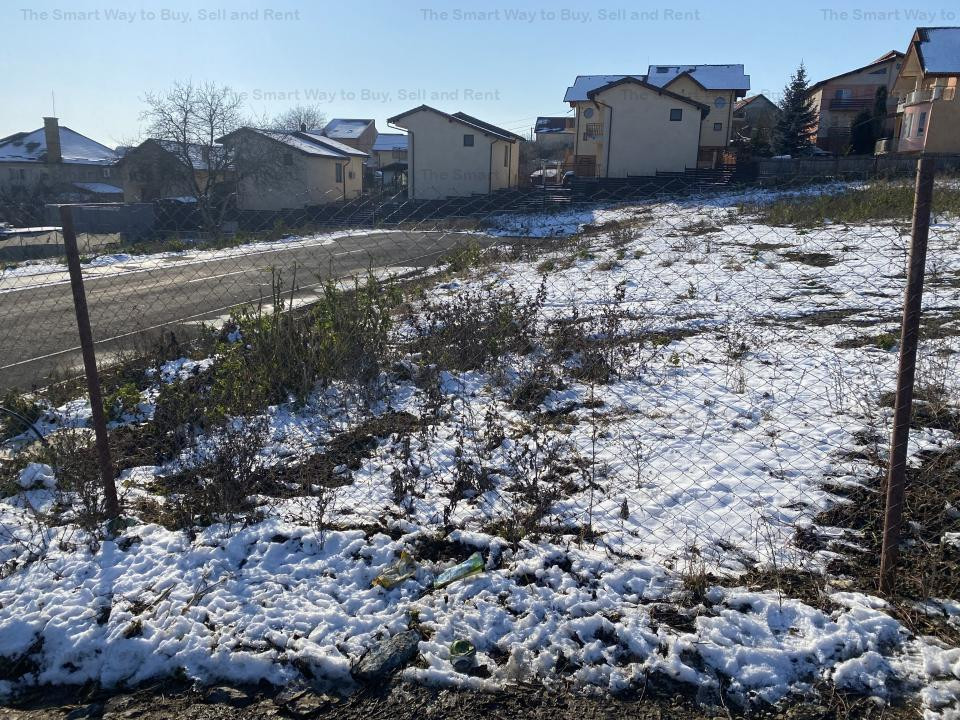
[163,169]
[928,109]
[58,163]
[390,157]
[288,170]
[457,155]
[358,134]
[839,99]
[556,137]
[627,127]
[716,86]
[754,119]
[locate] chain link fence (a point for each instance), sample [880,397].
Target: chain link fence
[696,375]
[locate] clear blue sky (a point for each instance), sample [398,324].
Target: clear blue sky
[377,58]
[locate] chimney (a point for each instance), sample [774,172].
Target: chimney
[303,127]
[51,133]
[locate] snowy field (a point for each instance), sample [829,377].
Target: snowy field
[690,386]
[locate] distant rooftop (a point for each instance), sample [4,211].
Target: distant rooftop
[587,83]
[75,148]
[390,141]
[939,49]
[346,128]
[309,143]
[712,77]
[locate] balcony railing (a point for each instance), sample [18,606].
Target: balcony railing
[851,103]
[926,95]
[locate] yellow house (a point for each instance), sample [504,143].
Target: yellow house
[456,155]
[839,99]
[928,109]
[716,86]
[289,170]
[626,127]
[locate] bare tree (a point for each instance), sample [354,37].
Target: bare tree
[187,119]
[299,117]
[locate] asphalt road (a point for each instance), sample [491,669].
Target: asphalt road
[38,330]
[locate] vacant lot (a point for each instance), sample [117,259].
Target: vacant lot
[662,426]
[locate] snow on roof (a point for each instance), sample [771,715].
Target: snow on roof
[586,83]
[390,141]
[99,188]
[75,148]
[939,49]
[338,147]
[346,128]
[712,77]
[306,142]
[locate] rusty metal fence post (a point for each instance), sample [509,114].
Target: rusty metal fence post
[906,372]
[111,504]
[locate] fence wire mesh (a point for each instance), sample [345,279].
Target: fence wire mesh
[687,383]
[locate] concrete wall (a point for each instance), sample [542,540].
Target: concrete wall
[441,166]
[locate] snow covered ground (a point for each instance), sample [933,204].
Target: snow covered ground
[748,362]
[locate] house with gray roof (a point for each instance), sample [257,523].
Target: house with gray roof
[279,170]
[928,106]
[59,163]
[626,127]
[359,134]
[713,87]
[390,151]
[456,154]
[159,169]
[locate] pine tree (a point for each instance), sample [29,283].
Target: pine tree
[862,136]
[797,118]
[880,112]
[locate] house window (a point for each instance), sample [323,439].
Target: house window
[288,159]
[717,127]
[907,122]
[844,94]
[506,156]
[339,173]
[922,124]
[593,131]
[106,172]
[468,140]
[676,114]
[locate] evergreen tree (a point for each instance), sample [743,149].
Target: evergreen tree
[880,112]
[797,118]
[862,137]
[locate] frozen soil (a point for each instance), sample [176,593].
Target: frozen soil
[400,701]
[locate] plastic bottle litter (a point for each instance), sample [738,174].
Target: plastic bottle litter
[463,655]
[471,566]
[403,569]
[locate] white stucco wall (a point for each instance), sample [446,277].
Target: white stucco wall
[441,166]
[641,137]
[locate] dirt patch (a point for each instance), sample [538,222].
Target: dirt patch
[815,259]
[344,453]
[658,699]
